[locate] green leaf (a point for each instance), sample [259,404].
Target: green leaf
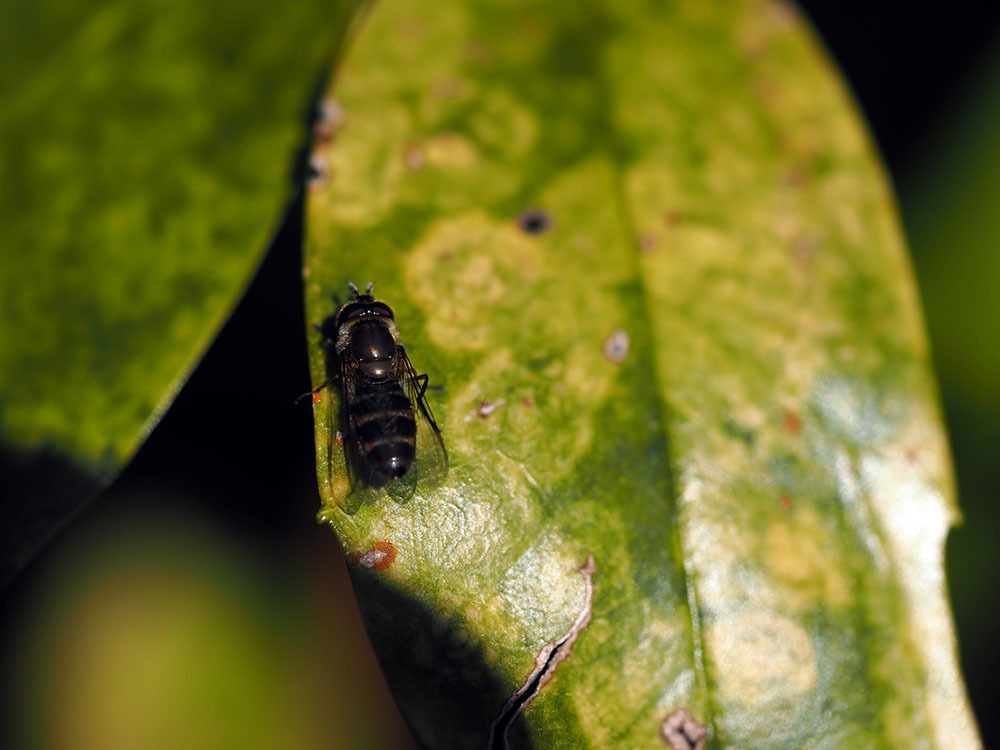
[147,154]
[648,252]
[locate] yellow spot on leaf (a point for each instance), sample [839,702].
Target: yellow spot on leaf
[800,553]
[450,150]
[761,658]
[465,269]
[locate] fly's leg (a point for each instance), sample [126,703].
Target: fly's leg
[315,390]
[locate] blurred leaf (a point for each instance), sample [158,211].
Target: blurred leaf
[147,153]
[149,628]
[699,361]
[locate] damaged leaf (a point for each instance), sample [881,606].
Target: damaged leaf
[655,241]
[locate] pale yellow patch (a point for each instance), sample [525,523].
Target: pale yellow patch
[801,555]
[749,415]
[503,123]
[463,270]
[661,646]
[339,486]
[450,151]
[761,658]
[365,167]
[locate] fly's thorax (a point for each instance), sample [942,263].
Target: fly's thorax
[369,343]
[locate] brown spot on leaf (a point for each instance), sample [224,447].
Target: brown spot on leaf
[681,731]
[379,557]
[785,503]
[796,177]
[791,421]
[338,439]
[317,397]
[413,156]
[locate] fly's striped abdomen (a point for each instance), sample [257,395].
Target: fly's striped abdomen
[385,430]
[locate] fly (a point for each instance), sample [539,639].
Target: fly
[391,439]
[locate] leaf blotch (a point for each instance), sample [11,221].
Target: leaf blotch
[484,409]
[762,657]
[616,346]
[682,731]
[791,422]
[380,557]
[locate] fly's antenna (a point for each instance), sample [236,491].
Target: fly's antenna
[354,289]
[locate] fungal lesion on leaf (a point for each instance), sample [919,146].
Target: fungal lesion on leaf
[549,657]
[484,409]
[380,557]
[681,731]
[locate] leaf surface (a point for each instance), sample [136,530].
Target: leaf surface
[147,151]
[648,253]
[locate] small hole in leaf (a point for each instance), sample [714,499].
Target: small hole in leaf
[534,221]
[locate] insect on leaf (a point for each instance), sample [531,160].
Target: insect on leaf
[698,485]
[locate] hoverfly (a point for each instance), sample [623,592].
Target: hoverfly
[390,437]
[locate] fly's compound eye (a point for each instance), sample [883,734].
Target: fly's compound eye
[380,308]
[364,310]
[352,314]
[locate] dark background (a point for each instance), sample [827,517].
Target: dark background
[257,495]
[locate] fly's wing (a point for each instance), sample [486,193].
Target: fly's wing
[430,466]
[360,491]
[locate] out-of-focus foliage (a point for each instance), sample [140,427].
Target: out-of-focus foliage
[147,150]
[698,360]
[158,631]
